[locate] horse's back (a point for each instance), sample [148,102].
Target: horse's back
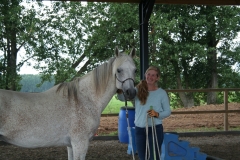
[35,115]
[11,99]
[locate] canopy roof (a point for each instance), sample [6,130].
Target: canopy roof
[194,2]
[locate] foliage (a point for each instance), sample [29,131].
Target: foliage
[30,83]
[175,102]
[192,44]
[80,37]
[16,23]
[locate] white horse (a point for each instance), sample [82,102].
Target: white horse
[68,114]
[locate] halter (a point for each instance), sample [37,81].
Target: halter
[124,80]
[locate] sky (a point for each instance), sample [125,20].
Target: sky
[28,70]
[25,69]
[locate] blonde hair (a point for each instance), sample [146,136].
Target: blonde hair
[143,87]
[142,91]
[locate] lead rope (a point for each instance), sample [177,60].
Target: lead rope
[154,134]
[147,156]
[129,129]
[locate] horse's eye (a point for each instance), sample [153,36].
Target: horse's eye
[136,70]
[119,70]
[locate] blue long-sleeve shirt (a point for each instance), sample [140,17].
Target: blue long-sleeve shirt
[160,102]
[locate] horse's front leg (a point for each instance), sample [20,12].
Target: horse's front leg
[70,153]
[79,149]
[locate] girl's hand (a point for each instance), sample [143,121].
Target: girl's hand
[153,113]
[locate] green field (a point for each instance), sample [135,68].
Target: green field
[114,106]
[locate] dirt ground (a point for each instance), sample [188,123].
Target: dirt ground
[186,122]
[222,146]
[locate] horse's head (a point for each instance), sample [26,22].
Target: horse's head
[125,71]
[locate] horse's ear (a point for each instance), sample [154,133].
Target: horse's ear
[116,51]
[133,53]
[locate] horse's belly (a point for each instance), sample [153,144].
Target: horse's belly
[38,141]
[36,135]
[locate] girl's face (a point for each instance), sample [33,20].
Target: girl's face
[151,77]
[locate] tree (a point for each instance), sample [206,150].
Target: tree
[68,39]
[77,37]
[187,38]
[16,27]
[30,81]
[221,28]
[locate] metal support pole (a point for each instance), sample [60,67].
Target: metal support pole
[145,10]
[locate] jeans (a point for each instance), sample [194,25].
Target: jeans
[140,138]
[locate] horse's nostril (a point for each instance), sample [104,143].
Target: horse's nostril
[130,93]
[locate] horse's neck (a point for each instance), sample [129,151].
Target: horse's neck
[107,95]
[101,99]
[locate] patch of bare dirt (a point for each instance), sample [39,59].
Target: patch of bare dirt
[186,121]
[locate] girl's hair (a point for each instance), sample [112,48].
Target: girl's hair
[142,91]
[155,69]
[143,87]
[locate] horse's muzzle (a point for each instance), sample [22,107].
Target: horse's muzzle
[130,94]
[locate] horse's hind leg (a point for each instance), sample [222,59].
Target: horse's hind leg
[70,153]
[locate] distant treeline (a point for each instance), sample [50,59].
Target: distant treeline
[29,83]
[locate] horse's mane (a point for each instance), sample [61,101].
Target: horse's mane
[100,75]
[71,87]
[103,72]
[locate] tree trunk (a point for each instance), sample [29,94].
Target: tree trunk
[11,36]
[212,96]
[213,79]
[13,62]
[186,98]
[212,56]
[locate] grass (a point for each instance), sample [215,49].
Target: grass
[114,106]
[114,133]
